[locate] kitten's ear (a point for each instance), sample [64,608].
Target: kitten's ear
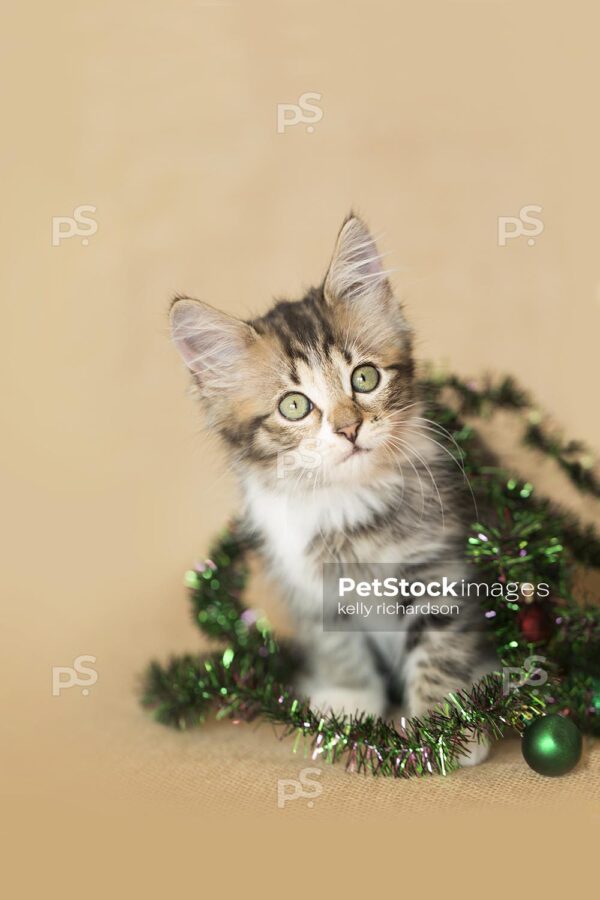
[212,344]
[356,268]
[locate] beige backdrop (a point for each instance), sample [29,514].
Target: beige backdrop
[437,119]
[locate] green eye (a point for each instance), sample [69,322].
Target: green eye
[365,379]
[295,406]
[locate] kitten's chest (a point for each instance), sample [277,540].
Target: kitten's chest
[299,532]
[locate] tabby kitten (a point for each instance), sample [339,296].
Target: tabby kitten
[318,406]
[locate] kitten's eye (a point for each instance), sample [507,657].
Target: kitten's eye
[365,379]
[295,406]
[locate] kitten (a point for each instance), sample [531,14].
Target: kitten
[318,406]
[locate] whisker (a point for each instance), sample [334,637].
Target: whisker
[429,472]
[414,468]
[453,458]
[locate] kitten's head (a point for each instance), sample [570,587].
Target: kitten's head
[317,391]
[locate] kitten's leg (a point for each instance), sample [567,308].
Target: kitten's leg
[340,673]
[439,664]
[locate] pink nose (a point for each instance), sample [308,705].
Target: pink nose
[350,432]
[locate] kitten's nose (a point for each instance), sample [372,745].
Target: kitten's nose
[350,432]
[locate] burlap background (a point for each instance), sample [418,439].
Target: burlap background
[437,119]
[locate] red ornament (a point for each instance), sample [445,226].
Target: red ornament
[534,624]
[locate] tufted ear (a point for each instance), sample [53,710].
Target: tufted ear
[213,345]
[356,268]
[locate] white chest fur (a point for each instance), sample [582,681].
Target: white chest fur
[290,522]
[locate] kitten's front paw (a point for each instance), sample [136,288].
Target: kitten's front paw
[475,753]
[345,700]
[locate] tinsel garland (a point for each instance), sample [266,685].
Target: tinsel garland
[522,540]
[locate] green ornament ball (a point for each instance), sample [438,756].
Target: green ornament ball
[552,745]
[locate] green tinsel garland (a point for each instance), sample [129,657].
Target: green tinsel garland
[525,540]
